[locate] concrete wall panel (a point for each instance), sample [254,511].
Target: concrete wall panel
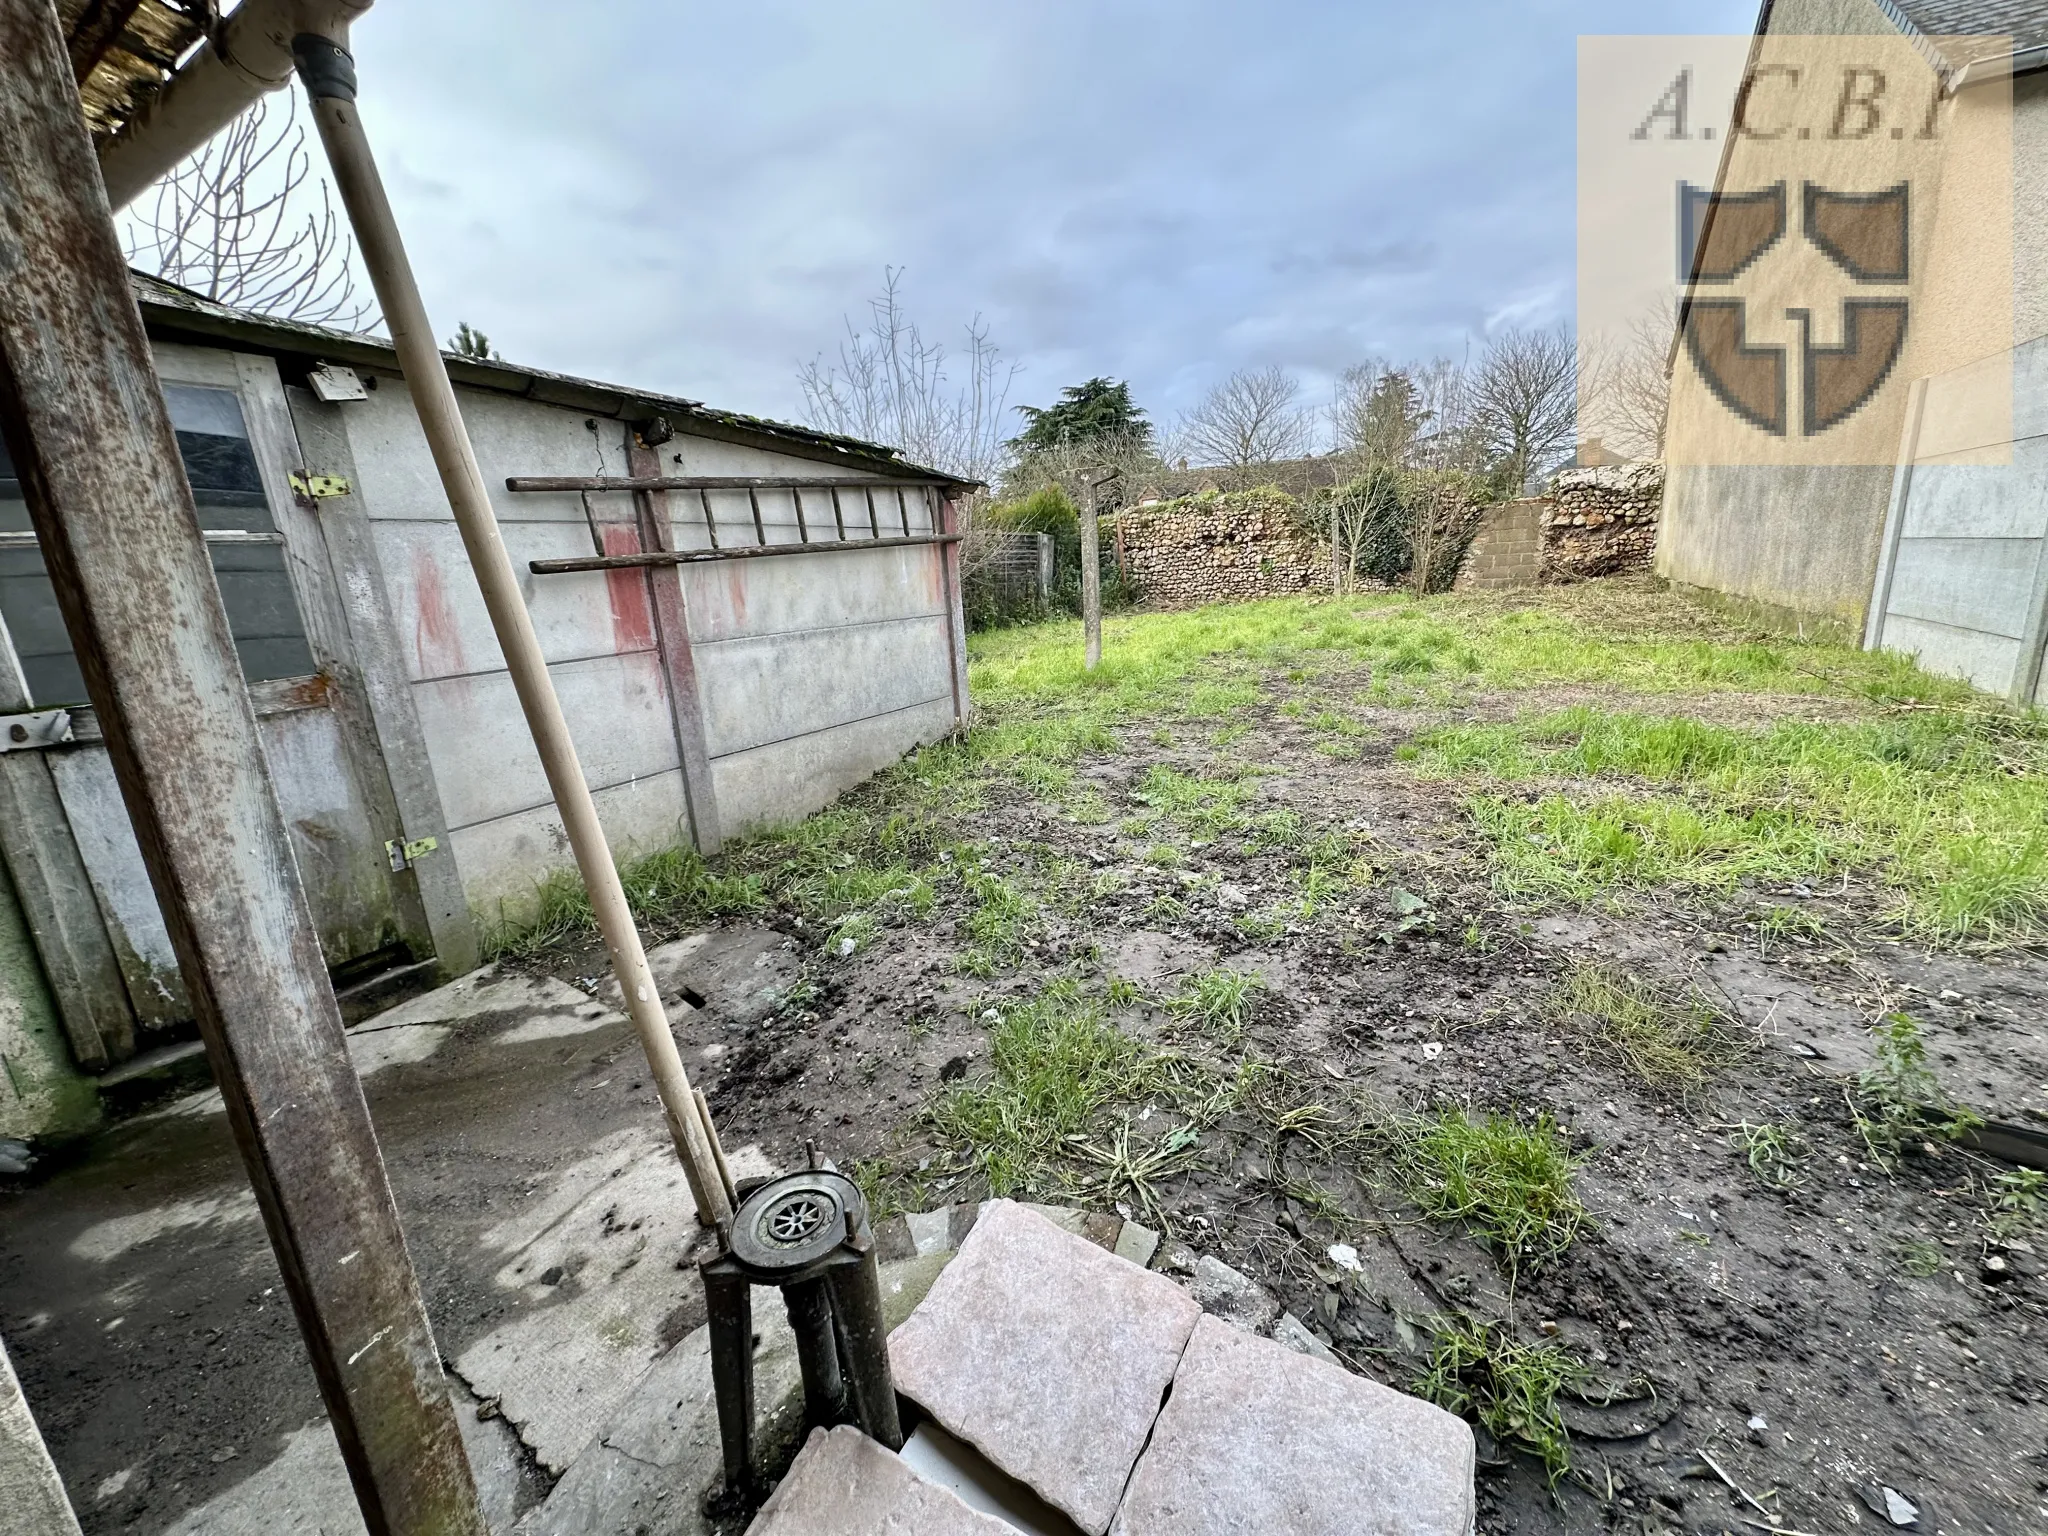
[504,859]
[1981,501]
[778,784]
[483,755]
[769,689]
[733,599]
[438,611]
[1984,661]
[1978,584]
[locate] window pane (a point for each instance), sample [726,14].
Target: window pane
[263,612]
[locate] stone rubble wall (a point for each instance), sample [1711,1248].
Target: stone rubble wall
[1227,547]
[1602,521]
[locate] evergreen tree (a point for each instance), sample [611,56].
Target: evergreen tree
[1084,413]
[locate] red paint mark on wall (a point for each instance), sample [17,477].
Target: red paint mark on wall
[436,636]
[736,594]
[632,614]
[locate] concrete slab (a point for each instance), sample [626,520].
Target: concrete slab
[478,995]
[1258,1438]
[605,1267]
[304,1490]
[650,1468]
[1048,1355]
[844,1484]
[741,973]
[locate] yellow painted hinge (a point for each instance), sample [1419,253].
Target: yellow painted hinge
[319,487]
[405,855]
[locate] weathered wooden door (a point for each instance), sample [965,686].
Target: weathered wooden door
[63,829]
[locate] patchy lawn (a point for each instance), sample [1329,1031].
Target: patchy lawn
[1607,982]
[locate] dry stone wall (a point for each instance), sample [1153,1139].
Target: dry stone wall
[1602,521]
[1219,548]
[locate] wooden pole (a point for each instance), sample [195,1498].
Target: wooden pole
[1091,574]
[90,435]
[30,1491]
[329,76]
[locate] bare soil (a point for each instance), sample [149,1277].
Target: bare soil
[1778,1337]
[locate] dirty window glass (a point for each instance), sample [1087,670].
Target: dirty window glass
[263,613]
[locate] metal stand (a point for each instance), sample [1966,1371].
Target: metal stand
[806,1234]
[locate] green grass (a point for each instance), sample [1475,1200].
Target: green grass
[1056,1063]
[1508,1182]
[1220,1001]
[1669,1037]
[1951,806]
[1478,1370]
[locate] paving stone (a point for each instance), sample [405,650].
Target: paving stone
[844,1484]
[1258,1438]
[1294,1333]
[1046,1354]
[1136,1243]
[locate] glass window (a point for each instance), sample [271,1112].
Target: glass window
[247,550]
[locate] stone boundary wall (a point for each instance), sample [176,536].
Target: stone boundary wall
[1603,521]
[1228,547]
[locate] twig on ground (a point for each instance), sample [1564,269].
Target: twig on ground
[1715,1466]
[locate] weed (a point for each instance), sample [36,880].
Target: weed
[1162,855]
[1318,1202]
[1131,1174]
[1901,1103]
[1920,1258]
[1056,1063]
[1262,927]
[1124,993]
[1669,1038]
[1165,910]
[1772,1151]
[1778,924]
[853,932]
[2017,1196]
[1220,999]
[1480,1371]
[1510,1183]
[1002,914]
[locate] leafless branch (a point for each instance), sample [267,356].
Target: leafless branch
[1625,385]
[891,386]
[1252,418]
[1525,399]
[233,223]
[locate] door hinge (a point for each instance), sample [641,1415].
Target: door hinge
[319,487]
[26,733]
[405,855]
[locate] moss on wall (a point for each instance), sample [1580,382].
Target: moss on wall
[43,1096]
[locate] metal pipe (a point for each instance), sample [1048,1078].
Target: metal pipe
[329,75]
[249,55]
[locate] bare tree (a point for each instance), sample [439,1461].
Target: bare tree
[1625,384]
[234,223]
[1525,399]
[1250,419]
[892,386]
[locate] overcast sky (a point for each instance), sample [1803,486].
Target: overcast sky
[691,198]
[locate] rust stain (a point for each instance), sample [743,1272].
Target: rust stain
[736,594]
[313,692]
[436,636]
[632,613]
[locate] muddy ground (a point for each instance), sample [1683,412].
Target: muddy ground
[1792,1338]
[1812,1345]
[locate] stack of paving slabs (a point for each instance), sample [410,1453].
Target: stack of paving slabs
[1106,1393]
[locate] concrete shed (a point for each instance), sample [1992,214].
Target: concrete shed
[708,699]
